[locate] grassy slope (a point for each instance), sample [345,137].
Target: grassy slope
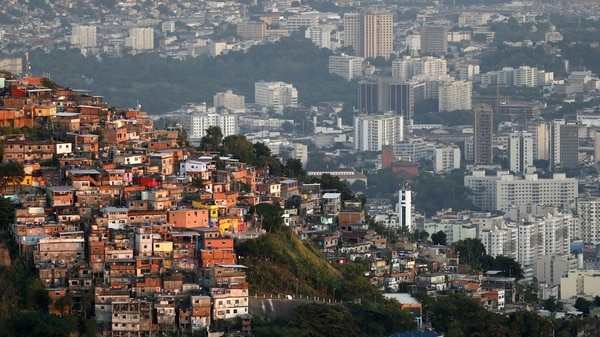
[280,262]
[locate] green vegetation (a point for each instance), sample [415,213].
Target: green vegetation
[165,84]
[293,266]
[437,192]
[472,252]
[278,262]
[24,305]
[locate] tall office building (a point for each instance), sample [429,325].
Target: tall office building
[483,135]
[386,94]
[84,36]
[564,144]
[401,99]
[275,94]
[369,34]
[405,208]
[520,151]
[348,67]
[434,40]
[369,96]
[141,38]
[372,132]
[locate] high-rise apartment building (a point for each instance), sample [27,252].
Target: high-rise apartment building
[230,101]
[296,22]
[369,34]
[141,38]
[320,35]
[275,94]
[251,30]
[596,146]
[541,140]
[455,95]
[589,214]
[348,67]
[372,132]
[483,135]
[434,40]
[196,123]
[564,144]
[520,151]
[406,68]
[503,191]
[446,158]
[84,36]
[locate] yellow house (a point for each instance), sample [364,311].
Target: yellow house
[29,180]
[213,210]
[165,250]
[228,225]
[44,111]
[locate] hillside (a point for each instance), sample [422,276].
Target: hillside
[279,263]
[161,84]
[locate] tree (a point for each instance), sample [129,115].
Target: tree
[583,305]
[7,212]
[552,304]
[11,174]
[212,139]
[269,216]
[508,265]
[182,137]
[293,169]
[240,147]
[419,235]
[438,238]
[471,252]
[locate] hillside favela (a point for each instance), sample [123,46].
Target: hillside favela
[379,168]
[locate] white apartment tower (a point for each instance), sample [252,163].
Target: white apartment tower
[196,123]
[372,132]
[408,67]
[541,140]
[455,95]
[230,101]
[589,215]
[349,67]
[520,151]
[141,38]
[84,36]
[320,35]
[275,94]
[446,158]
[526,254]
[503,191]
[405,208]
